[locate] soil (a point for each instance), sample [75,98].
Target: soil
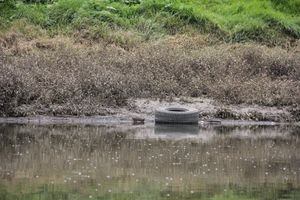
[210,112]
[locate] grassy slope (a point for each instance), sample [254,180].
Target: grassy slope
[266,21]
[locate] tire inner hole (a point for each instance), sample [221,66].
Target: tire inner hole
[177,109]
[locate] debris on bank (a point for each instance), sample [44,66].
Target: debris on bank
[210,110]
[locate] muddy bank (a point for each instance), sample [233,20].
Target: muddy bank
[210,112]
[210,109]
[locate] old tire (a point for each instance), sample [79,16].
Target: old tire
[176,115]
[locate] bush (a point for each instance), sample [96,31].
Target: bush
[288,6]
[6,6]
[54,75]
[38,1]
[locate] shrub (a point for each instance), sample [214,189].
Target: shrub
[54,75]
[38,1]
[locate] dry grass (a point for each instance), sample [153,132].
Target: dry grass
[58,76]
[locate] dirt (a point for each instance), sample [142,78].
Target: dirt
[210,112]
[210,109]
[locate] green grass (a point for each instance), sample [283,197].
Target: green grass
[229,20]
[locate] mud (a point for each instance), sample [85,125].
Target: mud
[211,112]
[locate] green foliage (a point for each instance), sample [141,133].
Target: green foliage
[6,7]
[35,13]
[64,11]
[38,1]
[288,6]
[237,21]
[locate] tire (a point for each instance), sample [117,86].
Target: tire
[176,115]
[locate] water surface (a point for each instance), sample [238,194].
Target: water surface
[52,162]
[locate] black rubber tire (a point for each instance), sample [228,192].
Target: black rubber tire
[176,115]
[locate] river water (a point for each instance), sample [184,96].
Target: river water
[81,162]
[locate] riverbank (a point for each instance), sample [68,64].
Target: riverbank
[59,76]
[52,67]
[211,112]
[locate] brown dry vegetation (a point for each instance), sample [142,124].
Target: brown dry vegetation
[60,76]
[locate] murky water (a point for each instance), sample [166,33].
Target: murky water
[53,162]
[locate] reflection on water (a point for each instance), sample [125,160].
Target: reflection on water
[93,162]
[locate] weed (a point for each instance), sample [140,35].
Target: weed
[50,72]
[268,22]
